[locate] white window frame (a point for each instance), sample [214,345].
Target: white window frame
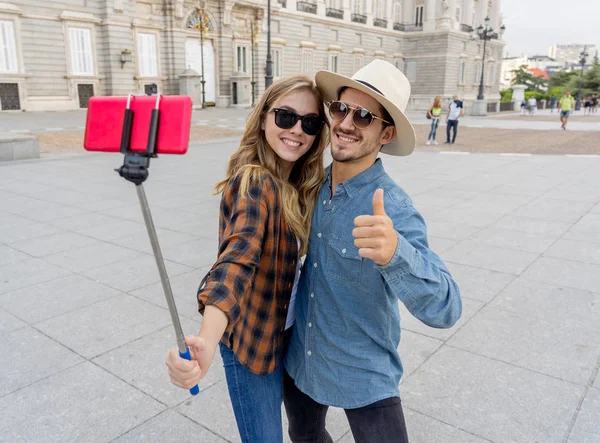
[462,71]
[458,15]
[379,7]
[333,62]
[419,14]
[491,75]
[410,70]
[358,62]
[9,59]
[147,68]
[81,51]
[242,52]
[397,11]
[477,73]
[307,62]
[277,59]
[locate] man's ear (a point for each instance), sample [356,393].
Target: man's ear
[387,135]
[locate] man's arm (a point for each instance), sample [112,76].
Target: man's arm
[418,277]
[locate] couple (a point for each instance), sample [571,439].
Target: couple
[324,331]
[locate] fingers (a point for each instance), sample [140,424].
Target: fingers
[368,242]
[371,220]
[183,373]
[378,207]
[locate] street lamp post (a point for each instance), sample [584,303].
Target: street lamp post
[253,43]
[582,60]
[202,26]
[485,33]
[269,70]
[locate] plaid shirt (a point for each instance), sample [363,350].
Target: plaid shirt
[252,279]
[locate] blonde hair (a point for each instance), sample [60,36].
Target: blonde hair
[437,102]
[255,157]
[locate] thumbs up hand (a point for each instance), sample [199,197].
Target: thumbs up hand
[374,235]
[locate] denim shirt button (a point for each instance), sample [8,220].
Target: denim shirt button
[309,353]
[319,235]
[316,265]
[312,295]
[344,251]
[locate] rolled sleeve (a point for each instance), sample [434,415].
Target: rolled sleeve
[243,219]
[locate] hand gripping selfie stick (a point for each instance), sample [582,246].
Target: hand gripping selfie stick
[135,169]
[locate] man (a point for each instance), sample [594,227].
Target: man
[567,104]
[532,105]
[455,111]
[368,249]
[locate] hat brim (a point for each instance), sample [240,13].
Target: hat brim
[329,83]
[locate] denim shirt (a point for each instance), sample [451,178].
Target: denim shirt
[343,349]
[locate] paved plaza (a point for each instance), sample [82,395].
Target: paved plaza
[85,330]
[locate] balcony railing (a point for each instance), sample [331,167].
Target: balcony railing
[359,18]
[407,27]
[466,28]
[380,22]
[307,7]
[335,13]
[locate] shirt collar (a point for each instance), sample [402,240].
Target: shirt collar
[357,182]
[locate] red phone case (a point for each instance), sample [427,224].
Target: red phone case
[105,115]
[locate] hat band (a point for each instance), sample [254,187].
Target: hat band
[371,86]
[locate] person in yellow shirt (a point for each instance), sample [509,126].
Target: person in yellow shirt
[567,104]
[434,114]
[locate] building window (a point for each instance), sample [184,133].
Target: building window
[461,72]
[379,7]
[306,31]
[82,60]
[458,15]
[333,62]
[147,59]
[358,62]
[410,69]
[491,75]
[8,47]
[276,58]
[334,35]
[419,15]
[359,7]
[307,62]
[397,12]
[242,58]
[359,39]
[380,40]
[477,78]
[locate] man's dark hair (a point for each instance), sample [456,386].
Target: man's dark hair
[384,114]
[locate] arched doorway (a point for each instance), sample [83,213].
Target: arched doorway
[195,58]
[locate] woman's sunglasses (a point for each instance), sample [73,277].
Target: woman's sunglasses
[361,117]
[286,119]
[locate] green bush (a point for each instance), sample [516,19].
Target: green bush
[506,95]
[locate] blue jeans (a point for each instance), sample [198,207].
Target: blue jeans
[256,400]
[434,126]
[451,124]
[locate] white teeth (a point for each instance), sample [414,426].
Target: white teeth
[345,139]
[291,143]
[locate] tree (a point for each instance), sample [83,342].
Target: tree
[526,78]
[562,78]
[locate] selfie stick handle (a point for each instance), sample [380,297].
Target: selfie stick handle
[135,170]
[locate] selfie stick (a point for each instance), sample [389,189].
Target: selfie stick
[135,169]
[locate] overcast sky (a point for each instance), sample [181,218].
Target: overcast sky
[532,26]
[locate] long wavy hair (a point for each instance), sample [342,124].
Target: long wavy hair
[437,102]
[254,158]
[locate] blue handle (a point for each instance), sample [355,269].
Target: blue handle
[195,390]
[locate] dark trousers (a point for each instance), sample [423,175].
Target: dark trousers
[380,422]
[449,125]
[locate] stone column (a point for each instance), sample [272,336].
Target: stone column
[408,12]
[448,18]
[468,12]
[518,96]
[495,15]
[429,20]
[481,12]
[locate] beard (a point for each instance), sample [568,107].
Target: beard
[356,151]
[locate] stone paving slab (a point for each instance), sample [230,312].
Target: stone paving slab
[77,279]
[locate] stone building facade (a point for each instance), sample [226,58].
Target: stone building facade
[55,54]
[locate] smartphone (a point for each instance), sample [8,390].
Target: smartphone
[105,117]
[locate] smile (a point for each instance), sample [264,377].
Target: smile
[346,139]
[291,143]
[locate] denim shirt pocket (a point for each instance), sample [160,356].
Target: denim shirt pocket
[343,262]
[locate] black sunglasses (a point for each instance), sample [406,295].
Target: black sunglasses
[286,119]
[361,117]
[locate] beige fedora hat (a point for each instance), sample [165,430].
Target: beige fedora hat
[386,84]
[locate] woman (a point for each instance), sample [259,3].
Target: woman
[246,299]
[434,114]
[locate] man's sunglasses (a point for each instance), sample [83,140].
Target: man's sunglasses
[286,119]
[361,117]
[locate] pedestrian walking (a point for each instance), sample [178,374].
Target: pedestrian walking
[455,111]
[434,113]
[567,104]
